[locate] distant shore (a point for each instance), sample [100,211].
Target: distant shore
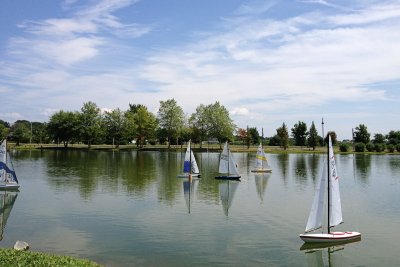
[196,148]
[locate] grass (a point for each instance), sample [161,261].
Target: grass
[14,258]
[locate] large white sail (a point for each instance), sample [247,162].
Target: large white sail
[335,208]
[261,159]
[190,164]
[224,160]
[315,218]
[232,165]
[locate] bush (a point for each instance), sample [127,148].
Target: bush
[359,147]
[390,148]
[370,147]
[379,147]
[398,147]
[344,147]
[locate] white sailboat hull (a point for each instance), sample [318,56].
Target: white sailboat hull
[228,177]
[333,237]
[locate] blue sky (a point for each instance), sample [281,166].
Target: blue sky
[267,62]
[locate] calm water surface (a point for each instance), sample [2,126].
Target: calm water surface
[129,209]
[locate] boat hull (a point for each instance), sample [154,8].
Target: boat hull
[186,175]
[9,187]
[261,170]
[334,237]
[226,177]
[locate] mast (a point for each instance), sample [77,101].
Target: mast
[329,183]
[190,168]
[262,148]
[227,146]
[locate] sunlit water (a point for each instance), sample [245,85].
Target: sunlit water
[128,208]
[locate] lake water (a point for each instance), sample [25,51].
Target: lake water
[128,208]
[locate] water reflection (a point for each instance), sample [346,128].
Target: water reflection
[334,257]
[261,180]
[7,200]
[189,191]
[363,165]
[227,191]
[283,162]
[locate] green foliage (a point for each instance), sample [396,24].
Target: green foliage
[283,134]
[370,147]
[361,134]
[390,148]
[359,147]
[115,123]
[21,131]
[379,139]
[313,136]
[299,133]
[398,148]
[90,123]
[344,147]
[171,118]
[11,257]
[63,127]
[379,147]
[145,125]
[219,124]
[393,137]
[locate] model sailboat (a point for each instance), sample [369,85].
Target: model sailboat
[261,161]
[190,167]
[227,166]
[334,207]
[8,178]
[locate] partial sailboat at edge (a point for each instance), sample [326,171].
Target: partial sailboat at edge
[334,207]
[227,165]
[8,178]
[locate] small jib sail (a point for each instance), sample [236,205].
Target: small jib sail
[227,165]
[8,178]
[329,180]
[261,161]
[190,165]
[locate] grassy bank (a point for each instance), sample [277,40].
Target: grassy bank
[196,148]
[11,257]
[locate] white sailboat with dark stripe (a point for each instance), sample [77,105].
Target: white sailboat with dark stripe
[227,165]
[329,180]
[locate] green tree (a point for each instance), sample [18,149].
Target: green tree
[361,134]
[219,123]
[39,133]
[379,139]
[393,137]
[299,133]
[313,138]
[21,132]
[198,124]
[90,126]
[254,135]
[171,118]
[283,135]
[62,127]
[145,125]
[114,122]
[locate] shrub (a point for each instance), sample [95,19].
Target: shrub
[359,147]
[344,147]
[379,147]
[390,148]
[370,147]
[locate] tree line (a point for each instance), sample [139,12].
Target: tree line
[171,126]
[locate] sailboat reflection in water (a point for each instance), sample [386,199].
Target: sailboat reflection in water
[261,180]
[7,199]
[227,191]
[189,191]
[315,254]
